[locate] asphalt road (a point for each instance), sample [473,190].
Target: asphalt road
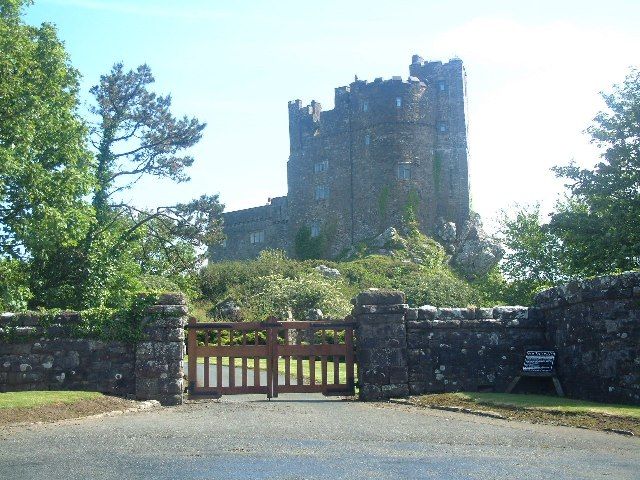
[311,437]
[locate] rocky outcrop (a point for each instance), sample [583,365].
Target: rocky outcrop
[388,240]
[228,310]
[473,252]
[327,272]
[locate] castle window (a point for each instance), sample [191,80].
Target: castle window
[257,237]
[367,139]
[442,86]
[322,192]
[365,106]
[403,171]
[442,127]
[321,166]
[315,230]
[398,102]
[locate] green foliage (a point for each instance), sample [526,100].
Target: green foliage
[383,200]
[423,284]
[437,171]
[108,324]
[410,218]
[594,230]
[137,134]
[14,293]
[599,223]
[56,250]
[535,257]
[276,295]
[307,247]
[45,167]
[272,284]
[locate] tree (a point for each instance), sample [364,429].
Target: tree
[594,229]
[45,167]
[135,136]
[599,226]
[534,257]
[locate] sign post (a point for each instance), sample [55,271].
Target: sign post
[538,363]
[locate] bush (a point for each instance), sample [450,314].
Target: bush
[273,284]
[14,281]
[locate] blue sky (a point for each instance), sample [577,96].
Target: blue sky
[534,72]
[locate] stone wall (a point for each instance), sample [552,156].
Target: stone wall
[270,219]
[44,355]
[468,349]
[594,325]
[381,350]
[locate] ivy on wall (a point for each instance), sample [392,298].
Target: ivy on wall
[108,324]
[437,171]
[383,200]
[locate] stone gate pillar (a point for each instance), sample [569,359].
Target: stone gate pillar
[381,346]
[159,371]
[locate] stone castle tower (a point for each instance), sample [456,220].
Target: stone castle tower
[388,147]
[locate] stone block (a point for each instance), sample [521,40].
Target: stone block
[162,334]
[369,392]
[511,313]
[175,310]
[169,400]
[374,319]
[452,313]
[381,309]
[484,313]
[395,390]
[380,297]
[165,322]
[427,312]
[175,298]
[398,375]
[151,368]
[171,387]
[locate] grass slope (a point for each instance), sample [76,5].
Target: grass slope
[51,406]
[541,409]
[548,403]
[37,398]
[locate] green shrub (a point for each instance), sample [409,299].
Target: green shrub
[273,285]
[14,289]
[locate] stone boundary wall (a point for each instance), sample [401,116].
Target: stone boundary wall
[470,349]
[49,358]
[594,325]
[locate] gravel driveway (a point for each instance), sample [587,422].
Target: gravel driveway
[308,436]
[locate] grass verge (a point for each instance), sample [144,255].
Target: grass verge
[542,409]
[51,406]
[35,398]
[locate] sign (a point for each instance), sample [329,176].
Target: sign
[539,361]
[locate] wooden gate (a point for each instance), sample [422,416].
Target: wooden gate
[270,357]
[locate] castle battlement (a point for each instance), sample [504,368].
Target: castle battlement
[386,146]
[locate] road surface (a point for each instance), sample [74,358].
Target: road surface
[311,437]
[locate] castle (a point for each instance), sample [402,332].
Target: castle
[389,147]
